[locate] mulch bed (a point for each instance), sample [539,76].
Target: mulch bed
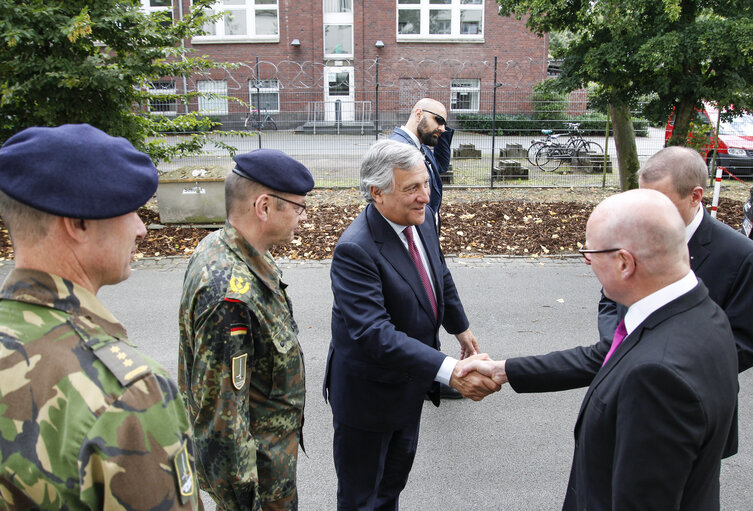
[470,229]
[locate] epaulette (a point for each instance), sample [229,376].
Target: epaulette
[123,361]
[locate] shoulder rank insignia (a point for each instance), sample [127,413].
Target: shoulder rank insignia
[239,370]
[123,361]
[183,474]
[239,285]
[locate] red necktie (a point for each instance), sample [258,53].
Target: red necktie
[619,335]
[421,269]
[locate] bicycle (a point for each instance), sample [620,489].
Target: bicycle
[256,122]
[538,144]
[550,155]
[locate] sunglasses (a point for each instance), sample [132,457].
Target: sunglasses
[440,120]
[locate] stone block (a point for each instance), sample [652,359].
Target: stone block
[591,164]
[513,151]
[510,169]
[466,151]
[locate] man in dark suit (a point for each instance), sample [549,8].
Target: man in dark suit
[720,256]
[426,128]
[655,420]
[392,291]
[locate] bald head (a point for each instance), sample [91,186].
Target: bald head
[648,229]
[685,168]
[430,104]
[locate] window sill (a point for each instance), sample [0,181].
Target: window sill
[235,40]
[440,39]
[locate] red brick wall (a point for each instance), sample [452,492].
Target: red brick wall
[521,55]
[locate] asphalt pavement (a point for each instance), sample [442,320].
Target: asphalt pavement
[508,452]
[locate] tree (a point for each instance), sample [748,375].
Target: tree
[677,51]
[74,61]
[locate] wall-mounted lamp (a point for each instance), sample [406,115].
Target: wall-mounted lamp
[379,44]
[295,42]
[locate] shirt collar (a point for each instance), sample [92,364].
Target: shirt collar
[643,308]
[48,290]
[412,136]
[693,225]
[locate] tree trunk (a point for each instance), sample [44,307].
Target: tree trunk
[684,114]
[624,141]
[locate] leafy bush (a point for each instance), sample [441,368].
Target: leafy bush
[592,123]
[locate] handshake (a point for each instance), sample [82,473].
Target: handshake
[478,376]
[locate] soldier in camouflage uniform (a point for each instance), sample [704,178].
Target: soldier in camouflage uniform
[240,364]
[86,422]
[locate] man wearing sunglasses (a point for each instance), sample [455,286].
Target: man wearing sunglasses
[240,366]
[426,129]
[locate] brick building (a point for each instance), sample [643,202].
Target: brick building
[358,60]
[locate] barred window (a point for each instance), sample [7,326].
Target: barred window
[464,94]
[266,97]
[213,97]
[162,103]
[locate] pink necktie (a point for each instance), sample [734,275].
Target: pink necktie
[619,336]
[421,269]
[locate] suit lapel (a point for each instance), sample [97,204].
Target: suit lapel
[676,306]
[394,252]
[699,243]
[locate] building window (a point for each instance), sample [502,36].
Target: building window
[162,104]
[266,97]
[337,16]
[464,94]
[151,6]
[440,20]
[212,97]
[243,21]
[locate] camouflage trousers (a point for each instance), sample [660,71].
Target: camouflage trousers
[276,462]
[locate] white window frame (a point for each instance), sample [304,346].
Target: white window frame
[274,89]
[462,85]
[212,105]
[330,18]
[455,7]
[156,92]
[250,7]
[146,5]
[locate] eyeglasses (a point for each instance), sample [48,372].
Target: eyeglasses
[586,253]
[440,120]
[299,208]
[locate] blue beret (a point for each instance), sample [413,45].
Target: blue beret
[275,170]
[76,171]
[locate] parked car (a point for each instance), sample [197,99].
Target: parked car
[735,150]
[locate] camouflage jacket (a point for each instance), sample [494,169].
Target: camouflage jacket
[241,372]
[85,421]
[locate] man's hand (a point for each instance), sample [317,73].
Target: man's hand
[493,369]
[468,344]
[473,384]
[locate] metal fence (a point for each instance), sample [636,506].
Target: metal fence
[330,130]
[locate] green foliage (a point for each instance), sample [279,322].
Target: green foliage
[678,51]
[64,61]
[549,103]
[591,123]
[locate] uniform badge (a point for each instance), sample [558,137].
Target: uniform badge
[123,361]
[239,285]
[183,474]
[239,371]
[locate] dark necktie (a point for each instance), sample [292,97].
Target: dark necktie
[426,158]
[619,336]
[413,249]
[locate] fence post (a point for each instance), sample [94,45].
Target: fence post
[494,121]
[376,93]
[606,154]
